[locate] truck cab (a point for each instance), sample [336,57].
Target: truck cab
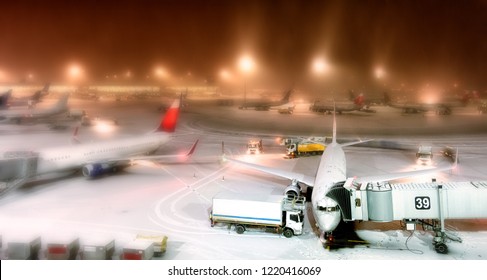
[293,212]
[294,222]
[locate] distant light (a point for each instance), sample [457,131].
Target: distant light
[320,66]
[379,72]
[246,64]
[160,72]
[128,74]
[104,126]
[224,74]
[75,72]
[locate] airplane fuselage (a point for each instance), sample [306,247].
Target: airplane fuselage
[34,113]
[331,170]
[77,156]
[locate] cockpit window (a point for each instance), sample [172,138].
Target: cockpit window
[328,208]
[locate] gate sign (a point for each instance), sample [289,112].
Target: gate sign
[422,203]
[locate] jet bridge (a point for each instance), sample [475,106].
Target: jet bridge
[16,167]
[428,204]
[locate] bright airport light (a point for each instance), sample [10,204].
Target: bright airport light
[75,72]
[320,66]
[246,64]
[160,72]
[379,72]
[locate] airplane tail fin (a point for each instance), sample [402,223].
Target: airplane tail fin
[45,89]
[36,97]
[286,96]
[74,137]
[62,104]
[359,100]
[4,98]
[170,119]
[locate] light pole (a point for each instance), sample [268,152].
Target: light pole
[320,67]
[246,65]
[380,74]
[75,74]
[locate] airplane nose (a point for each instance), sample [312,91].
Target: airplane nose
[327,214]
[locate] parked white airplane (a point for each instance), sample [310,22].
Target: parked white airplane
[8,102]
[265,105]
[97,158]
[330,174]
[29,114]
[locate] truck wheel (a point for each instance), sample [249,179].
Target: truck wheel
[240,229]
[441,248]
[288,233]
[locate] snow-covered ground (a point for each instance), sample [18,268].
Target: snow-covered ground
[174,200]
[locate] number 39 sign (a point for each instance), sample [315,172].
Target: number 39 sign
[422,202]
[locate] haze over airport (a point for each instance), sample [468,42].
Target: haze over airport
[362,45]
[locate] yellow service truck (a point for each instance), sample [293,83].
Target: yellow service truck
[305,149]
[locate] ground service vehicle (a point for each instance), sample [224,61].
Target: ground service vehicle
[245,211]
[254,147]
[305,149]
[424,155]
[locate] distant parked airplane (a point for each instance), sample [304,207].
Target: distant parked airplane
[264,105]
[357,103]
[7,101]
[31,114]
[95,158]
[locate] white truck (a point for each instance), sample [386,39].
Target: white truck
[254,147]
[424,155]
[283,214]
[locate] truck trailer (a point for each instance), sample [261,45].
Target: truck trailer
[283,214]
[305,149]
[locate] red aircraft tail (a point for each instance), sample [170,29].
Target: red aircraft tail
[170,119]
[359,100]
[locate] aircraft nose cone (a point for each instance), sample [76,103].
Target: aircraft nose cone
[327,214]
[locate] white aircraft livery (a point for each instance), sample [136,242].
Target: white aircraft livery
[98,158]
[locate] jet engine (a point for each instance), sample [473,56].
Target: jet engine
[293,190]
[97,169]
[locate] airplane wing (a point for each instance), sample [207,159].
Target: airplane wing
[306,179]
[310,180]
[401,175]
[168,158]
[406,174]
[164,159]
